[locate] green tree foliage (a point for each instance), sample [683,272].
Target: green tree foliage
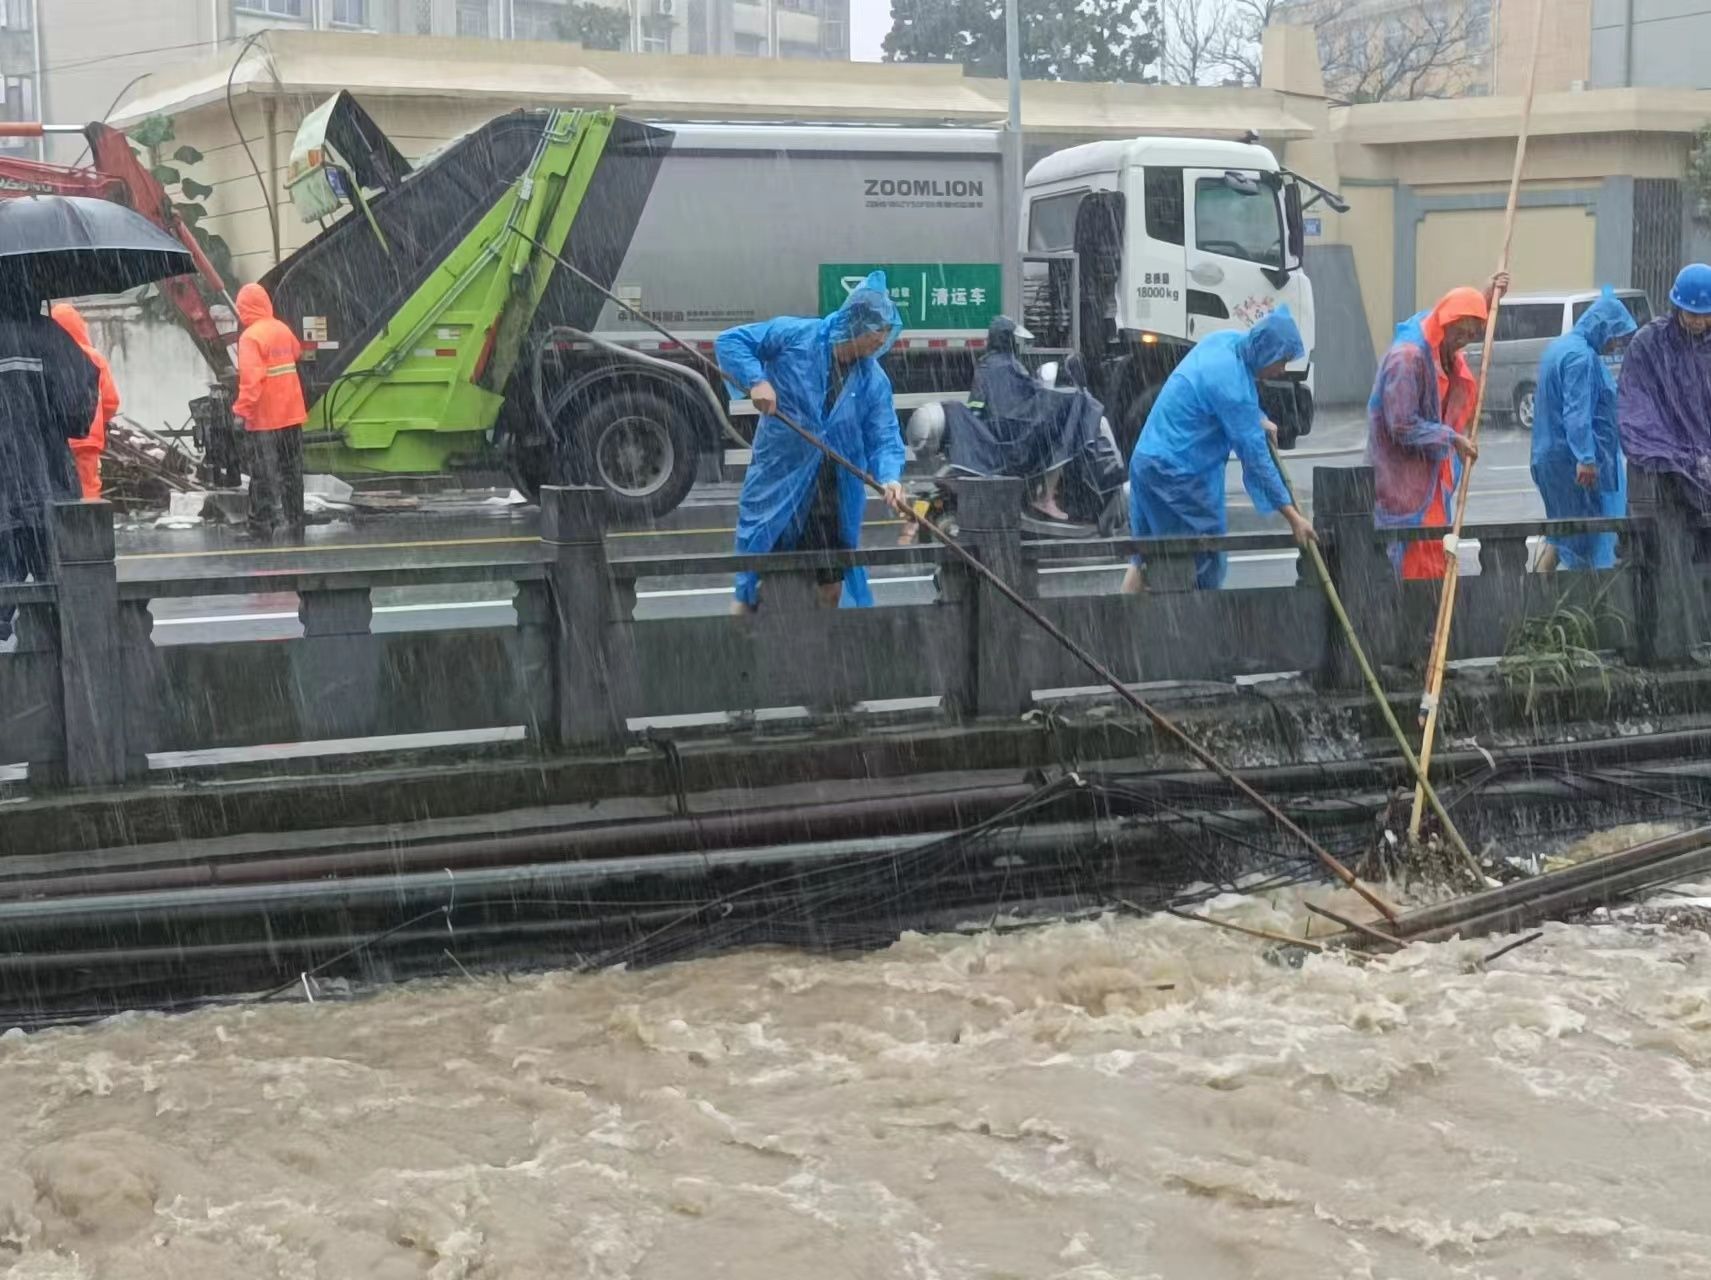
[595,26]
[1699,172]
[152,137]
[1108,40]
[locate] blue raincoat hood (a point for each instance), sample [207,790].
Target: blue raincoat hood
[1275,338]
[1604,320]
[869,307]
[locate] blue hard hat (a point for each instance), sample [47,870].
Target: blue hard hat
[1692,292]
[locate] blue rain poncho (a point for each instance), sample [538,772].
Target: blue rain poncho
[1575,422]
[795,356]
[1210,408]
[1013,424]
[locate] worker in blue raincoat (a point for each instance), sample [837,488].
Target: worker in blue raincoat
[1577,450]
[825,375]
[1210,408]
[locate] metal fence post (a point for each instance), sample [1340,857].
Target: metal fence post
[592,674]
[1361,570]
[80,545]
[989,513]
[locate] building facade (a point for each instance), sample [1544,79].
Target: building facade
[1656,44]
[1412,49]
[1602,44]
[68,61]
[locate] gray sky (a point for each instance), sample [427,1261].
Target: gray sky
[869,21]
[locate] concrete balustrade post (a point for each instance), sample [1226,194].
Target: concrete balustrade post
[989,513]
[592,664]
[1361,570]
[80,547]
[1669,592]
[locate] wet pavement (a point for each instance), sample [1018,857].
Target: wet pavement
[482,527]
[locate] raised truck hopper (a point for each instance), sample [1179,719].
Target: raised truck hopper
[419,307]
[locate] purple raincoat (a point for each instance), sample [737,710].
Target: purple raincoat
[1663,405]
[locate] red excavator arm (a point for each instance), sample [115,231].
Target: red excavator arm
[119,175]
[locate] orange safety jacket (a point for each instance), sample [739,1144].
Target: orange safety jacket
[270,396]
[71,320]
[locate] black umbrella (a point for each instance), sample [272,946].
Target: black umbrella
[70,246]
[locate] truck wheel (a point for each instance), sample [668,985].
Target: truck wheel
[1524,398]
[642,448]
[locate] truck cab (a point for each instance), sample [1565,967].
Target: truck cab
[1136,249]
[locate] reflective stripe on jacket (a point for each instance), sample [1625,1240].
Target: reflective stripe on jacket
[270,395]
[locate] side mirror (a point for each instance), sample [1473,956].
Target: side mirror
[1294,221]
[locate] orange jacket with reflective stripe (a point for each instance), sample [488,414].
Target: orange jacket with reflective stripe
[71,320]
[269,394]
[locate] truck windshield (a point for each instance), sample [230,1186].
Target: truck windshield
[1237,224]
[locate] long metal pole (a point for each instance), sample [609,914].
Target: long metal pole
[1013,61]
[37,88]
[1438,656]
[1012,161]
[1159,720]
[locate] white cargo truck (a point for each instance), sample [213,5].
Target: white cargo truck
[1131,251]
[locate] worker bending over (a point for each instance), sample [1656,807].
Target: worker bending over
[86,450]
[1421,407]
[270,411]
[1208,409]
[1663,402]
[1577,453]
[825,375]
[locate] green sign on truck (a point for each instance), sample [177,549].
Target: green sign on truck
[930,295]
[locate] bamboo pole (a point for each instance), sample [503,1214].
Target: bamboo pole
[1323,573]
[1266,935]
[1429,700]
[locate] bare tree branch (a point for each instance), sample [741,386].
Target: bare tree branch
[1389,52]
[1195,35]
[1238,53]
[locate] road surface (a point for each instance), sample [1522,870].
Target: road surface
[473,528]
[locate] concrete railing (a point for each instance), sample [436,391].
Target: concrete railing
[87,696]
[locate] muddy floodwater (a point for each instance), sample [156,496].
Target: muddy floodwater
[1099,1101]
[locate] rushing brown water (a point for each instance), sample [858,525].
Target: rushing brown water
[1108,1101]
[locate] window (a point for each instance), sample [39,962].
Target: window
[274,8]
[1051,222]
[749,46]
[1164,204]
[1237,224]
[350,13]
[1639,306]
[1529,321]
[17,102]
[472,18]
[832,37]
[15,15]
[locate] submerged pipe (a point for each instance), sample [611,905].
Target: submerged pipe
[894,818]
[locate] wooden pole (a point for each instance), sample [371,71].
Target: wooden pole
[1452,542]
